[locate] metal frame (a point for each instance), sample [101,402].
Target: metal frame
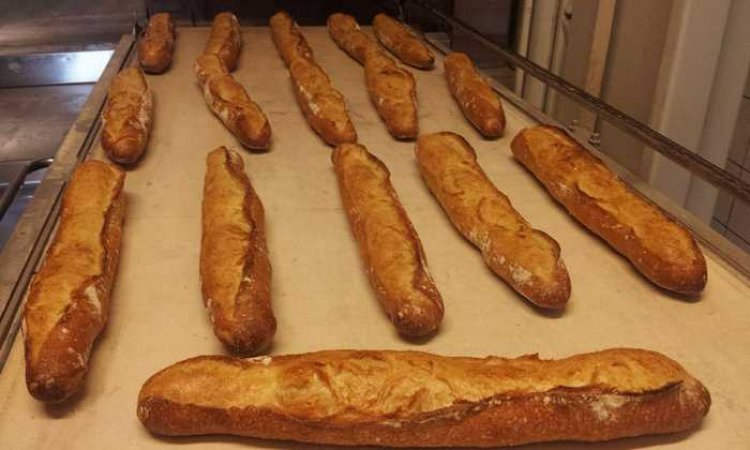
[22,252]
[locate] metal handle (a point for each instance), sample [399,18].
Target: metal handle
[17,182]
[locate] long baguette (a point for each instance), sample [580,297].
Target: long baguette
[527,259]
[393,91]
[414,399]
[657,246]
[389,245]
[225,40]
[68,301]
[345,32]
[156,44]
[288,38]
[231,103]
[127,117]
[479,102]
[402,42]
[234,267]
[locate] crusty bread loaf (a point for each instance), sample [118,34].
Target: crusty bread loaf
[401,42]
[479,102]
[68,301]
[288,39]
[527,259]
[323,106]
[127,117]
[393,91]
[156,44]
[345,32]
[661,249]
[225,39]
[232,104]
[234,267]
[389,245]
[414,399]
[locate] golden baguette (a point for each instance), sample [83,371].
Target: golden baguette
[401,42]
[127,117]
[414,399]
[479,102]
[345,32]
[527,259]
[234,267]
[388,244]
[156,44]
[225,40]
[289,40]
[68,301]
[231,103]
[657,246]
[393,91]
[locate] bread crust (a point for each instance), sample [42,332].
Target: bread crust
[225,40]
[393,91]
[527,259]
[156,44]
[414,399]
[68,302]
[231,103]
[289,40]
[478,101]
[388,243]
[127,117]
[234,266]
[345,32]
[657,246]
[400,41]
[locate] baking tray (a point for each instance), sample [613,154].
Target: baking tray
[321,295]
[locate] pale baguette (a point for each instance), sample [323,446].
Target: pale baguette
[225,40]
[414,399]
[127,117]
[289,40]
[156,44]
[68,301]
[388,244]
[401,42]
[527,259]
[234,267]
[657,246]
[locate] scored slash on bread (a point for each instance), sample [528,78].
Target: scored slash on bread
[127,117]
[527,259]
[415,399]
[388,243]
[397,38]
[156,44]
[657,246]
[225,40]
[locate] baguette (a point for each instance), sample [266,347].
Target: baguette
[479,102]
[288,39]
[345,32]
[527,259]
[225,40]
[657,246]
[156,44]
[234,267]
[401,42]
[68,301]
[231,103]
[415,399]
[393,91]
[127,117]
[389,245]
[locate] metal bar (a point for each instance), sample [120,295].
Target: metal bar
[24,249]
[662,144]
[17,182]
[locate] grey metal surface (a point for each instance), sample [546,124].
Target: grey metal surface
[21,254]
[43,69]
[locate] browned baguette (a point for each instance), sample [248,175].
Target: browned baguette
[345,32]
[288,39]
[156,44]
[68,301]
[661,249]
[234,266]
[479,102]
[127,117]
[225,39]
[527,259]
[388,244]
[393,91]
[414,399]
[403,43]
[232,104]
